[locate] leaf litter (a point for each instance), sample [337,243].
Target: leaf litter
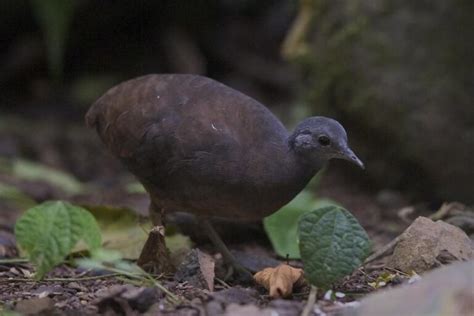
[75,289]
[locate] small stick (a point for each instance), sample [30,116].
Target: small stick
[13,260]
[95,277]
[384,251]
[311,301]
[223,283]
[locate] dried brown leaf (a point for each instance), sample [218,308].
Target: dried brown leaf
[279,281]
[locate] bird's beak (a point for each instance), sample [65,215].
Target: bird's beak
[349,155]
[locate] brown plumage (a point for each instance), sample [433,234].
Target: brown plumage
[202,147]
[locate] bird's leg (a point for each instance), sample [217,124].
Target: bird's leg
[222,248]
[155,256]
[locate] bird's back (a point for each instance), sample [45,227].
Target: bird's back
[188,137]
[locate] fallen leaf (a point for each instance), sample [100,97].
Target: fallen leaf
[197,269]
[279,281]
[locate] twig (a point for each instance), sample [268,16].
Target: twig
[95,277]
[311,301]
[445,209]
[223,283]
[13,260]
[384,251]
[397,271]
[369,268]
[173,298]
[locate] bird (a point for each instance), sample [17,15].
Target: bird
[202,147]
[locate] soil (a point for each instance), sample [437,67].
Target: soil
[68,289]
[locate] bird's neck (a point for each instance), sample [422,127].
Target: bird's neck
[283,178]
[287,172]
[298,170]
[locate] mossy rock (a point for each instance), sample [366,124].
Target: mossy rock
[398,74]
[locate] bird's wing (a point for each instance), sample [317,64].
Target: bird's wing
[160,124]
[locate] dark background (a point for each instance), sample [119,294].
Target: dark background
[397,74]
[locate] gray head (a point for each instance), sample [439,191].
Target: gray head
[318,139]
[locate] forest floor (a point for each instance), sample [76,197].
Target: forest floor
[70,289]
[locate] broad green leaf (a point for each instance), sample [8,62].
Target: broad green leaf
[178,242]
[29,170]
[104,259]
[332,244]
[282,226]
[49,231]
[123,231]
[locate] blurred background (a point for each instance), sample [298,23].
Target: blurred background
[399,75]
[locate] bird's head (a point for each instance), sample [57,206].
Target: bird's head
[318,139]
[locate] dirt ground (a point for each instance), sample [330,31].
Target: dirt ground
[68,289]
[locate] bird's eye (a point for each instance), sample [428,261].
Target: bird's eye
[324,140]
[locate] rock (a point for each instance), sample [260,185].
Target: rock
[444,291]
[197,269]
[214,308]
[142,298]
[254,263]
[396,86]
[427,244]
[236,295]
[248,310]
[286,307]
[127,299]
[276,307]
[36,306]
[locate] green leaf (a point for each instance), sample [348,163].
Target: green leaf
[178,244]
[123,231]
[282,226]
[332,244]
[103,259]
[49,231]
[29,170]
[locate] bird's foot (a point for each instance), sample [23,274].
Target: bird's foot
[238,273]
[236,270]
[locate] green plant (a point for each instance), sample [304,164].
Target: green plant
[332,244]
[282,226]
[49,231]
[112,261]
